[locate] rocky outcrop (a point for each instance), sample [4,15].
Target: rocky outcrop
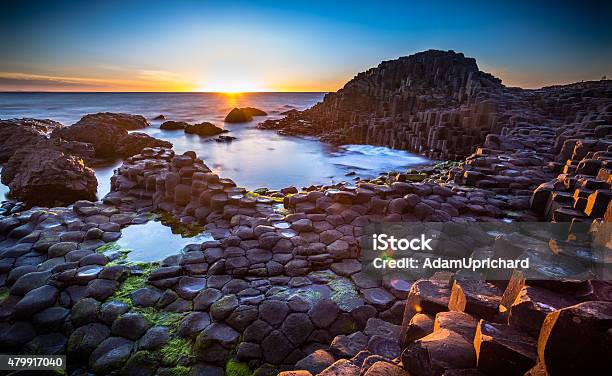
[18,133]
[204,129]
[46,174]
[171,125]
[242,115]
[128,122]
[108,133]
[134,142]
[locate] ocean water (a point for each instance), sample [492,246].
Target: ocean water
[258,158]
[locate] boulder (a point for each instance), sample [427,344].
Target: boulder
[103,136]
[43,174]
[134,142]
[238,115]
[18,133]
[173,125]
[124,121]
[204,129]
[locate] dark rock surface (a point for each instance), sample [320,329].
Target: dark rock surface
[18,133]
[204,129]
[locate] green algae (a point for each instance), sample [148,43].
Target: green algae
[234,368]
[112,246]
[344,294]
[4,293]
[133,282]
[175,349]
[156,317]
[180,370]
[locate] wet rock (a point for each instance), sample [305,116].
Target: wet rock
[50,319]
[85,339]
[239,115]
[111,310]
[206,298]
[110,355]
[192,324]
[141,363]
[84,311]
[222,308]
[101,289]
[16,335]
[145,297]
[154,338]
[52,343]
[130,325]
[36,300]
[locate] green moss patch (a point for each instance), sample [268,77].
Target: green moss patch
[180,371]
[133,283]
[175,349]
[162,318]
[234,368]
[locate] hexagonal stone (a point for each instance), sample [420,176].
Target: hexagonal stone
[36,300]
[192,324]
[145,297]
[276,347]
[223,307]
[346,267]
[154,338]
[85,339]
[323,313]
[206,298]
[273,311]
[297,327]
[110,355]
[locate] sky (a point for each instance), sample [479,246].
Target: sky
[289,45]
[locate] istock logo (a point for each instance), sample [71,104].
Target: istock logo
[384,242]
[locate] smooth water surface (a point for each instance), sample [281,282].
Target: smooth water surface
[258,158]
[154,241]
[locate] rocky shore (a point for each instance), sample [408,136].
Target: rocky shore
[281,287]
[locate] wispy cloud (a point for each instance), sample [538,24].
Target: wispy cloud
[145,80]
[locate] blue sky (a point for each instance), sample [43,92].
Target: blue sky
[289,45]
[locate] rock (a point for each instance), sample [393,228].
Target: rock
[142,363]
[19,133]
[84,311]
[275,347]
[323,313]
[419,326]
[173,125]
[316,362]
[297,327]
[110,355]
[348,346]
[222,308]
[36,300]
[387,347]
[134,142]
[154,338]
[273,311]
[102,135]
[192,324]
[342,367]
[204,129]
[16,335]
[46,175]
[295,373]
[502,350]
[385,369]
[214,342]
[130,325]
[85,339]
[101,289]
[475,297]
[254,111]
[145,297]
[575,340]
[437,352]
[238,115]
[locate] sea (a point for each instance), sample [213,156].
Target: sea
[257,158]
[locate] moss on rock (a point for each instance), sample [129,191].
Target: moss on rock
[234,368]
